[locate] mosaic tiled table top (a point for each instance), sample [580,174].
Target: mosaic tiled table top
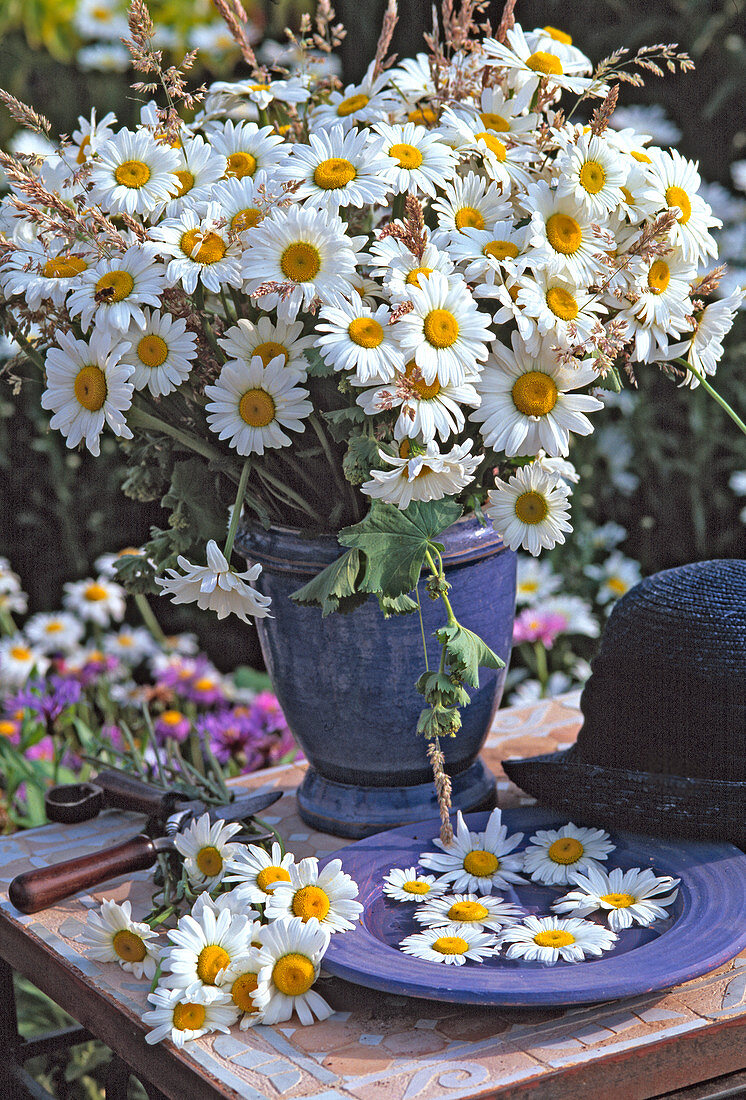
[383,1047]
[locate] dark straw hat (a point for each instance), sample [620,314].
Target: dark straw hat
[663,745]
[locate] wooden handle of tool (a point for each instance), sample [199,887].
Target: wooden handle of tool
[126,792]
[35,890]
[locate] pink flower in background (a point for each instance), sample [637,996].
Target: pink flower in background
[172,723]
[42,750]
[534,626]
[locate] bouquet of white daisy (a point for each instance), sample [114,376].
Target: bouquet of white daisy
[338,306]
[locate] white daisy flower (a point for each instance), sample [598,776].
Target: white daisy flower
[204,946]
[485,912]
[133,173]
[251,404]
[409,884]
[704,348]
[42,273]
[199,169]
[559,307]
[205,848]
[247,148]
[200,249]
[184,1014]
[327,894]
[358,339]
[412,78]
[267,339]
[553,855]
[54,632]
[241,980]
[490,252]
[628,897]
[114,291]
[112,936]
[422,161]
[536,581]
[131,645]
[592,172]
[18,660]
[338,169]
[161,351]
[87,138]
[105,564]
[470,202]
[563,236]
[507,114]
[100,19]
[477,862]
[290,958]
[559,42]
[402,269]
[368,102]
[244,201]
[504,163]
[450,943]
[216,586]
[424,475]
[262,93]
[531,509]
[96,601]
[527,67]
[617,575]
[659,305]
[673,181]
[257,872]
[549,939]
[424,410]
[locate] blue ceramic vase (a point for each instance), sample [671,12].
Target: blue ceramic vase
[346,682]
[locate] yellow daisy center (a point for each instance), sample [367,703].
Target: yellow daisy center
[659,276]
[534,393]
[469,218]
[617,585]
[413,278]
[294,974]
[554,937]
[642,158]
[129,946]
[564,234]
[414,886]
[677,196]
[494,145]
[628,195]
[480,863]
[366,332]
[269,350]
[334,173]
[172,717]
[211,959]
[245,219]
[565,850]
[467,911]
[531,508]
[351,104]
[494,122]
[256,408]
[204,683]
[63,267]
[90,388]
[409,156]
[618,901]
[239,165]
[450,945]
[592,177]
[203,248]
[82,155]
[440,328]
[115,286]
[424,116]
[20,653]
[7,728]
[152,350]
[310,901]
[500,250]
[562,303]
[242,992]
[558,35]
[268,878]
[300,262]
[132,173]
[405,449]
[419,385]
[209,861]
[53,628]
[547,63]
[189,1016]
[186,182]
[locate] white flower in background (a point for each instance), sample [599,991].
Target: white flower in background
[424,410]
[485,912]
[626,897]
[102,19]
[549,939]
[425,475]
[526,67]
[87,386]
[412,77]
[104,57]
[256,871]
[451,944]
[607,536]
[202,947]
[368,102]
[576,612]
[477,862]
[553,855]
[133,173]
[161,351]
[200,250]
[260,93]
[54,632]
[216,587]
[18,661]
[87,138]
[251,404]
[565,238]
[536,580]
[99,601]
[132,644]
[408,884]
[200,169]
[290,958]
[184,1014]
[530,510]
[648,118]
[422,160]
[247,148]
[267,338]
[205,848]
[358,339]
[338,169]
[114,291]
[704,348]
[593,173]
[111,935]
[470,202]
[326,894]
[673,181]
[505,114]
[531,691]
[616,575]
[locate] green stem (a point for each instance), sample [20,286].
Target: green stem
[439,572]
[195,751]
[148,617]
[714,393]
[139,418]
[542,670]
[422,627]
[237,507]
[397,207]
[341,483]
[7,623]
[285,492]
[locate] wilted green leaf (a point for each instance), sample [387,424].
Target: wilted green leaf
[334,588]
[317,367]
[467,653]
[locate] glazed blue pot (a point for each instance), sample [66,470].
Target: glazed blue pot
[346,682]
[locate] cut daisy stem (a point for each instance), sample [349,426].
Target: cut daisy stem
[139,418]
[237,507]
[26,344]
[713,393]
[147,616]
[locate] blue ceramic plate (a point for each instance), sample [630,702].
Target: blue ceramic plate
[706,927]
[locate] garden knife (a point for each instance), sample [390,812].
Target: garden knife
[35,890]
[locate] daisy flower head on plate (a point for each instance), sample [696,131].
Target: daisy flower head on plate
[200,250]
[114,291]
[184,1014]
[531,510]
[409,884]
[553,855]
[358,339]
[504,163]
[527,67]
[444,332]
[250,404]
[18,660]
[703,350]
[257,872]
[422,162]
[673,182]
[111,935]
[628,897]
[486,912]
[290,957]
[205,848]
[451,944]
[369,102]
[327,894]
[564,238]
[526,403]
[241,980]
[477,862]
[338,168]
[267,338]
[53,632]
[132,173]
[592,172]
[470,202]
[247,148]
[161,351]
[549,939]
[559,307]
[422,473]
[202,947]
[424,411]
[216,587]
[199,169]
[97,601]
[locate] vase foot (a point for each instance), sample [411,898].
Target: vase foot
[344,809]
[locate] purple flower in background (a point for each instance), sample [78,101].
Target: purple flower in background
[48,700]
[174,724]
[10,728]
[231,735]
[113,734]
[42,750]
[534,626]
[194,679]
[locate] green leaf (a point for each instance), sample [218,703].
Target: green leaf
[317,367]
[610,381]
[467,653]
[334,588]
[396,605]
[439,721]
[437,687]
[193,501]
[394,542]
[251,678]
[362,455]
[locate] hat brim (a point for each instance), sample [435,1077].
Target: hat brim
[642,802]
